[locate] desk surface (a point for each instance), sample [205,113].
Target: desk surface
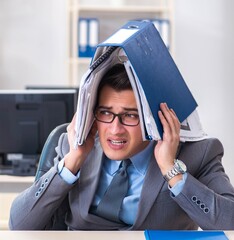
[16,184]
[16,179]
[81,235]
[69,235]
[10,187]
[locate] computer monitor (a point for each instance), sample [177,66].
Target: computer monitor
[26,119]
[52,87]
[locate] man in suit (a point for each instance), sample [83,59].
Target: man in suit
[171,185]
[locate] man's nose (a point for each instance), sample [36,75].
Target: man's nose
[116,126]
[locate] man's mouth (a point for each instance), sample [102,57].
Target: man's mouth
[117,142]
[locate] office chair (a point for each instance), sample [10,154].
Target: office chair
[48,153]
[46,161]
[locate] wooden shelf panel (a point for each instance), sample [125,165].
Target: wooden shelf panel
[123,9]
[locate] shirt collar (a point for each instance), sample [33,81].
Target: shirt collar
[112,166]
[141,159]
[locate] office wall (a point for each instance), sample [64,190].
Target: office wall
[204,52]
[32,43]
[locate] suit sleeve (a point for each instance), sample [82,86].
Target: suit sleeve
[208,196]
[34,207]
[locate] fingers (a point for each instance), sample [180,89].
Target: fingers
[169,120]
[93,130]
[71,125]
[71,132]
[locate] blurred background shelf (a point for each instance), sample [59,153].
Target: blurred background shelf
[111,15]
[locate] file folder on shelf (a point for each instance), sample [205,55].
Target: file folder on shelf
[153,74]
[82,37]
[93,36]
[185,235]
[88,36]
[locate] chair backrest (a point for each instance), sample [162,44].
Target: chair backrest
[48,153]
[46,161]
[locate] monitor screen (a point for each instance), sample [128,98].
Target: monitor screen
[28,116]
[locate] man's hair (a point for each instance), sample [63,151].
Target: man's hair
[116,78]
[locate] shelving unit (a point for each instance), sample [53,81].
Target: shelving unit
[111,14]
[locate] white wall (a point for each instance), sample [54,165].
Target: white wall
[32,43]
[204,52]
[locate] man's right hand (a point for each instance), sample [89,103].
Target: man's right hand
[76,156]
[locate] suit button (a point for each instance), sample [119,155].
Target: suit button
[194,198]
[46,181]
[202,206]
[206,210]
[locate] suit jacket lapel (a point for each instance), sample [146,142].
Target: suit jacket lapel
[150,190]
[89,179]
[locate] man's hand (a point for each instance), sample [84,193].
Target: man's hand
[165,150]
[76,156]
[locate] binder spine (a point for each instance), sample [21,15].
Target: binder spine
[103,57]
[93,36]
[88,36]
[82,37]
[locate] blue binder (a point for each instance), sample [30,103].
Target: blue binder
[163,26]
[184,235]
[157,72]
[88,36]
[82,37]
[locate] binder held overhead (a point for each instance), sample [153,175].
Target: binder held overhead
[154,77]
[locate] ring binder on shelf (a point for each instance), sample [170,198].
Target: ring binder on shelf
[88,36]
[82,37]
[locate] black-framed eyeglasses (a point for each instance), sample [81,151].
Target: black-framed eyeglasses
[126,118]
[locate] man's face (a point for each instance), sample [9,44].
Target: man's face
[119,141]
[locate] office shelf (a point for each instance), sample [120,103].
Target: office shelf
[111,14]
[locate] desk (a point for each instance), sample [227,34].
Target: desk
[71,235]
[10,187]
[80,235]
[15,183]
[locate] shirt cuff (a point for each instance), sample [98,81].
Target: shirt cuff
[66,174]
[178,187]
